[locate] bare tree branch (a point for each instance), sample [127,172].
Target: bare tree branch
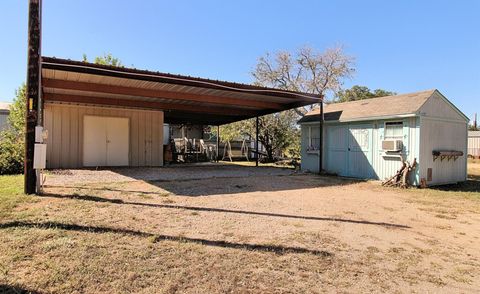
[310,71]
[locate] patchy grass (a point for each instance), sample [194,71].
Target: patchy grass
[469,190]
[72,261]
[11,194]
[283,234]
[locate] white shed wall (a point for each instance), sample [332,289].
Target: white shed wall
[64,123]
[442,127]
[439,107]
[438,134]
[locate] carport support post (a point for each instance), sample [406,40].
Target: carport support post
[320,147]
[33,111]
[256,141]
[218,142]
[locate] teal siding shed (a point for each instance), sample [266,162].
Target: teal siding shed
[356,133]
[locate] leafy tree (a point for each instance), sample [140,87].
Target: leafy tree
[12,140]
[278,132]
[359,93]
[106,59]
[307,70]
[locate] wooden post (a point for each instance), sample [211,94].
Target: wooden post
[33,112]
[320,147]
[256,141]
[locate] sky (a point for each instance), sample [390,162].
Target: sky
[402,46]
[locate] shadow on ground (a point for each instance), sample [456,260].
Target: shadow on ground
[221,210]
[7,289]
[277,249]
[471,185]
[208,180]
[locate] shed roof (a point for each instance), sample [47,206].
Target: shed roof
[474,133]
[375,107]
[183,99]
[5,107]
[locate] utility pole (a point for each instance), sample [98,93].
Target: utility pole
[33,114]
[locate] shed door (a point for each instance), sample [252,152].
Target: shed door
[359,151]
[337,149]
[105,141]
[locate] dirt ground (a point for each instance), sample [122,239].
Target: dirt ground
[240,229]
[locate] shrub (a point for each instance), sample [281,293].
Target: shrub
[11,153]
[12,140]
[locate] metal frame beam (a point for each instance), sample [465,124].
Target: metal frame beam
[218,142]
[145,104]
[320,147]
[256,141]
[162,94]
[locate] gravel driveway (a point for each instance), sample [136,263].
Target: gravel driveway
[169,173]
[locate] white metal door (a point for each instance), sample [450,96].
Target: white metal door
[105,141]
[117,141]
[94,141]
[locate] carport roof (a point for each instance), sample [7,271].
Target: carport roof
[183,99]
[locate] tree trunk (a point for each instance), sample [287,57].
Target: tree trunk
[269,153]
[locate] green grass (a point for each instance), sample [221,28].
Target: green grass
[11,194]
[469,191]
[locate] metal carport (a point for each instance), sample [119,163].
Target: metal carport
[183,99]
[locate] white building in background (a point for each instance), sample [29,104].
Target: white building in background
[4,112]
[474,143]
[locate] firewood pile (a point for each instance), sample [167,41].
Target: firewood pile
[401,178]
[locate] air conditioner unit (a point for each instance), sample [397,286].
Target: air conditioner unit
[392,145]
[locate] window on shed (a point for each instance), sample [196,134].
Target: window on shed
[313,138]
[394,130]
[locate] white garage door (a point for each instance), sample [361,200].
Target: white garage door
[105,141]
